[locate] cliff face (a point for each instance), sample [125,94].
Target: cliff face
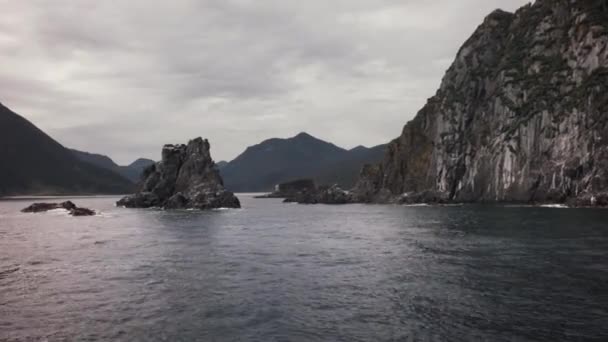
[186,177]
[521,115]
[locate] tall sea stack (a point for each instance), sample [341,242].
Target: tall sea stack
[521,115]
[185,178]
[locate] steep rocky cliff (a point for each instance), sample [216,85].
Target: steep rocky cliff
[521,115]
[185,178]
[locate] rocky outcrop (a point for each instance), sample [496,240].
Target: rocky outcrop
[67,205]
[521,115]
[185,178]
[291,189]
[322,195]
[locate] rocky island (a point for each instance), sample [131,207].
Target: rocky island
[305,191]
[520,116]
[185,178]
[291,188]
[322,195]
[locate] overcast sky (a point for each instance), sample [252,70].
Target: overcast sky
[124,77]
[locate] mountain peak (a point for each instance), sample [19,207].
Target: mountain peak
[359,148]
[303,135]
[141,163]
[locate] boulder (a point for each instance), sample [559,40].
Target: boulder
[185,178]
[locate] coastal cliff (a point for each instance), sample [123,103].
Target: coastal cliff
[520,116]
[185,178]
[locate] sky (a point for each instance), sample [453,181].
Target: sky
[122,78]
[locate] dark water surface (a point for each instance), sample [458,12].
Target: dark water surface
[275,272]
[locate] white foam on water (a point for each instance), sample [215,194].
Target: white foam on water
[58,212]
[562,206]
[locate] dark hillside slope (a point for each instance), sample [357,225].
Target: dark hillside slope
[274,161]
[34,163]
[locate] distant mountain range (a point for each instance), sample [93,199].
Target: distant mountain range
[33,163]
[132,172]
[262,166]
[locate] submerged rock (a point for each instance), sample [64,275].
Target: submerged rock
[67,205]
[520,116]
[185,178]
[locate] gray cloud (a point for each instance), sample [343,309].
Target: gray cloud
[123,78]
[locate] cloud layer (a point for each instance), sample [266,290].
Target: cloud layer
[123,78]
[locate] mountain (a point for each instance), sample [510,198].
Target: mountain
[346,170]
[221,164]
[34,163]
[273,161]
[132,172]
[95,159]
[521,115]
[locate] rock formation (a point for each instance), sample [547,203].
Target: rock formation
[67,205]
[185,178]
[291,189]
[321,195]
[521,115]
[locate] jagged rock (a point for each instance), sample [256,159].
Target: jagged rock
[67,205]
[185,178]
[334,195]
[520,116]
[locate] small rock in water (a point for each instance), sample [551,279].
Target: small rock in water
[67,205]
[82,212]
[43,207]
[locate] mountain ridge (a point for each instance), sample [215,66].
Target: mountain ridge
[36,164]
[277,160]
[132,172]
